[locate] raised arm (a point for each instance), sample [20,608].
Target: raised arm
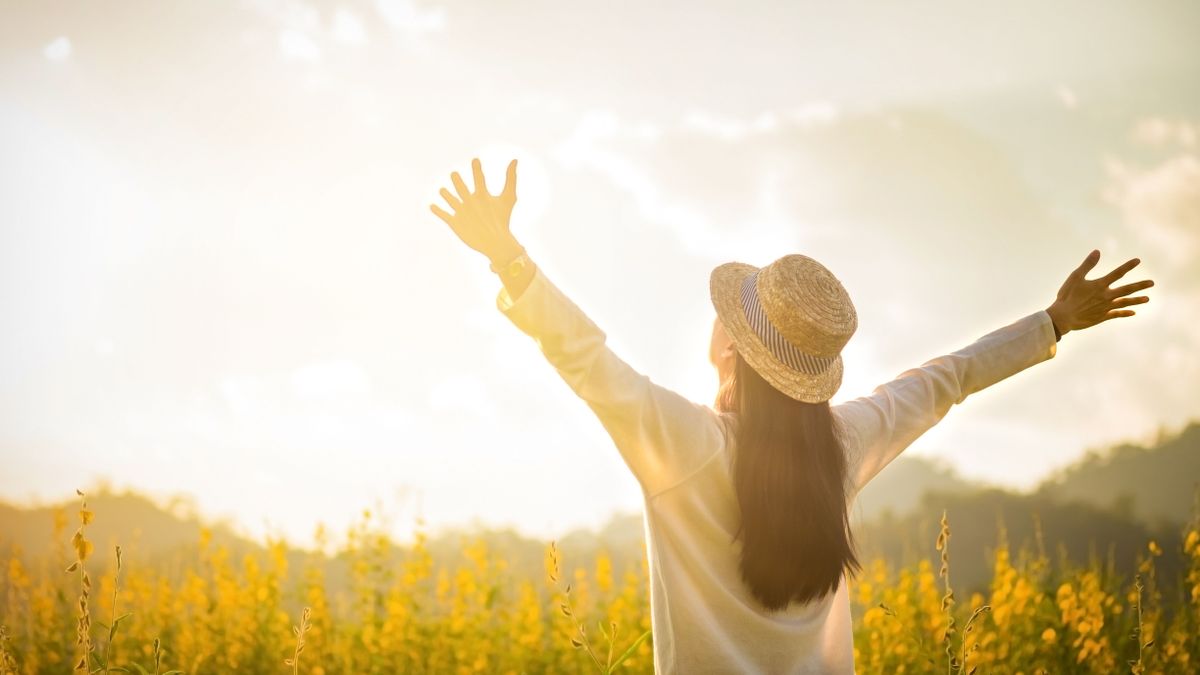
[661,435]
[896,413]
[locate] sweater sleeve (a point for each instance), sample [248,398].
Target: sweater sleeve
[662,436]
[896,413]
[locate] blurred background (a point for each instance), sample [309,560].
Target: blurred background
[222,289]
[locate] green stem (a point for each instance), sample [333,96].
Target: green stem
[112,627]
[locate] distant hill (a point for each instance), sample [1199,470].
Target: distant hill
[899,487]
[1107,504]
[132,520]
[1153,484]
[151,534]
[147,530]
[1071,531]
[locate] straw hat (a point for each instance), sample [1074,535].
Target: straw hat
[789,320]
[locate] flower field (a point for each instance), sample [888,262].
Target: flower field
[86,609]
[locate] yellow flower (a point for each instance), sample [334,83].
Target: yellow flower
[83,547]
[1193,538]
[1049,635]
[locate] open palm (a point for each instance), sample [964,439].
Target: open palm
[480,219]
[1083,303]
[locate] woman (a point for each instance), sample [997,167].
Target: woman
[746,503]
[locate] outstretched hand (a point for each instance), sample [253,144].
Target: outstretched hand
[1083,303]
[480,219]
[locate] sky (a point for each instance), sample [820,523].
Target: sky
[220,278]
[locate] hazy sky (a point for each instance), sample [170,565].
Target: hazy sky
[219,275]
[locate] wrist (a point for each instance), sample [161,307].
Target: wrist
[1057,323]
[506,254]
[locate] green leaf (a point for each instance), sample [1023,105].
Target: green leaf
[629,652]
[141,670]
[124,616]
[173,672]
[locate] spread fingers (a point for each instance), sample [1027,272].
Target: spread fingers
[1136,300]
[1130,288]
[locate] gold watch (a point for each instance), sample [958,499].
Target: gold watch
[513,268]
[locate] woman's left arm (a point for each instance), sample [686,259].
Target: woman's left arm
[662,436]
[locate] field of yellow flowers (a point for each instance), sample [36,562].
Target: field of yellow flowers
[255,615]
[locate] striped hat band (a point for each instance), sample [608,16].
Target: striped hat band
[780,348]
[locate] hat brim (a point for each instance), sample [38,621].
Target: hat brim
[725,284]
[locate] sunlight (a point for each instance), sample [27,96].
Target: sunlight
[221,281]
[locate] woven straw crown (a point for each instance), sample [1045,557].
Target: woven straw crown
[789,321]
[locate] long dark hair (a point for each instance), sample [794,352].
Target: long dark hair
[789,472]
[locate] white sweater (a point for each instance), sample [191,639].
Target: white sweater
[704,619]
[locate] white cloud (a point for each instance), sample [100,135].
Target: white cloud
[406,16]
[815,112]
[809,114]
[1161,131]
[287,12]
[462,393]
[591,146]
[104,346]
[244,395]
[298,46]
[330,380]
[704,122]
[1161,204]
[534,103]
[58,49]
[348,28]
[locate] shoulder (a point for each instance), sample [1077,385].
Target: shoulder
[851,441]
